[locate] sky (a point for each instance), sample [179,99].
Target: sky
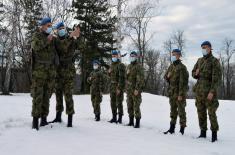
[212,20]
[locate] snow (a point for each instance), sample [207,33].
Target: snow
[88,137]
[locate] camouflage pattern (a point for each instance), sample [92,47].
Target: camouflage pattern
[177,77]
[135,81]
[65,74]
[44,59]
[96,81]
[117,77]
[208,81]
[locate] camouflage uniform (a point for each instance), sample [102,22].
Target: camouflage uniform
[207,81]
[178,86]
[117,77]
[44,58]
[96,80]
[135,81]
[65,74]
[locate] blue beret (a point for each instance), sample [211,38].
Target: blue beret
[96,62]
[45,21]
[115,52]
[59,25]
[206,43]
[133,53]
[176,51]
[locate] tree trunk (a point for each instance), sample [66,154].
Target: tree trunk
[10,54]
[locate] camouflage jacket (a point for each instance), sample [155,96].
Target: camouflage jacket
[117,75]
[66,48]
[135,77]
[177,77]
[96,80]
[209,76]
[43,51]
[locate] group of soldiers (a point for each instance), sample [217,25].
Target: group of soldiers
[207,72]
[53,51]
[122,79]
[53,67]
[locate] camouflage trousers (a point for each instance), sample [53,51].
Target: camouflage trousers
[203,105]
[116,101]
[96,99]
[177,108]
[41,90]
[64,88]
[133,104]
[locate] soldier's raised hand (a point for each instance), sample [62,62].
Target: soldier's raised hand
[180,98]
[118,91]
[75,33]
[136,92]
[169,75]
[50,37]
[197,72]
[210,96]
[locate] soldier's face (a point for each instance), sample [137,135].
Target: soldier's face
[207,48]
[95,66]
[44,27]
[114,56]
[176,55]
[61,28]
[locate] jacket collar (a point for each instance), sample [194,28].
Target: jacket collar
[177,62]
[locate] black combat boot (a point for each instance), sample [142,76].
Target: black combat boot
[43,121]
[131,121]
[35,123]
[214,136]
[119,119]
[137,123]
[203,134]
[182,130]
[97,117]
[114,119]
[57,118]
[70,121]
[171,130]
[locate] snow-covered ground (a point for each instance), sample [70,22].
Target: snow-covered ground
[88,137]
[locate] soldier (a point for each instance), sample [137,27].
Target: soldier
[117,86]
[96,80]
[177,77]
[134,87]
[65,46]
[207,71]
[44,59]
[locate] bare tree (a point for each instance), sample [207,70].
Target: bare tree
[162,70]
[120,22]
[12,11]
[137,25]
[156,65]
[58,10]
[151,61]
[179,40]
[222,61]
[168,47]
[226,60]
[176,40]
[15,50]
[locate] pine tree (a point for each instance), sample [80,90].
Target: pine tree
[97,26]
